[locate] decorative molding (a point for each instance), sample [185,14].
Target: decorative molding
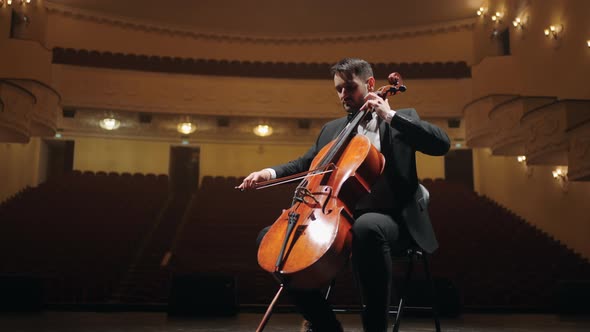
[550,130]
[510,136]
[86,58]
[46,105]
[18,87]
[479,131]
[546,142]
[579,153]
[135,24]
[36,82]
[15,120]
[45,112]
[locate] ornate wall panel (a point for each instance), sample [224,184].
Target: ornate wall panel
[15,117]
[46,110]
[579,153]
[547,130]
[509,136]
[479,130]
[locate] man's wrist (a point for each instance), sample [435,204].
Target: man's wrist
[389,116]
[272,172]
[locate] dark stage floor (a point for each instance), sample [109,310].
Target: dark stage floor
[159,322]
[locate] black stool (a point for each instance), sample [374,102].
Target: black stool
[416,254]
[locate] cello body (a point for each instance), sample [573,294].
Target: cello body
[310,242]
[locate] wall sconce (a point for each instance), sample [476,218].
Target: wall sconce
[553,31]
[497,18]
[518,23]
[263,130]
[18,2]
[482,11]
[588,42]
[521,159]
[560,174]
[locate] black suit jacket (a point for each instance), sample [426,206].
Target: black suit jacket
[397,188]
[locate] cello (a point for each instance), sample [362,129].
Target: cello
[311,241]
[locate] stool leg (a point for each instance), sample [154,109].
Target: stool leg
[432,292]
[400,307]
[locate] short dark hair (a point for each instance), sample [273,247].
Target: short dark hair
[349,66]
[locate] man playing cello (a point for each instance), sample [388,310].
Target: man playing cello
[381,228]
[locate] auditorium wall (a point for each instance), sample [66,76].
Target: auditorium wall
[21,165]
[537,65]
[533,193]
[240,160]
[121,155]
[216,159]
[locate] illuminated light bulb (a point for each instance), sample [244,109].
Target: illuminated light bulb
[263,130]
[109,123]
[186,128]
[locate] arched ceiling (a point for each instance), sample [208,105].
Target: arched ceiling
[283,18]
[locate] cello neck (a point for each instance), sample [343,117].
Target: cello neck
[342,139]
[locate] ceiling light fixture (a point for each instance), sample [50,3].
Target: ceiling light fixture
[263,130]
[109,123]
[186,127]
